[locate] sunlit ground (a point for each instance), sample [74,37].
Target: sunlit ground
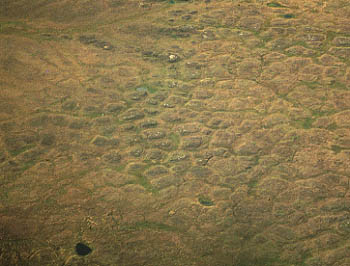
[175,132]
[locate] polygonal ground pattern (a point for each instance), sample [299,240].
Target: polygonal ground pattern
[175,132]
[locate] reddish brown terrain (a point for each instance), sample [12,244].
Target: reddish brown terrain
[209,133]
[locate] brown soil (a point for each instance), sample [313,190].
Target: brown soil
[175,132]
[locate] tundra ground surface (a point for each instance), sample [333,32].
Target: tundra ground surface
[175,132]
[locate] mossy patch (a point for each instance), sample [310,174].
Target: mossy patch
[332,126]
[304,123]
[336,148]
[275,4]
[137,171]
[331,35]
[288,16]
[339,85]
[206,201]
[175,138]
[307,123]
[311,84]
[142,180]
[22,149]
[319,113]
[252,184]
[26,165]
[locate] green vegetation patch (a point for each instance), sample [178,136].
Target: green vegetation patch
[331,35]
[252,184]
[336,148]
[25,166]
[288,16]
[206,201]
[319,113]
[311,84]
[339,85]
[275,4]
[175,138]
[332,126]
[146,88]
[142,180]
[304,123]
[22,149]
[307,123]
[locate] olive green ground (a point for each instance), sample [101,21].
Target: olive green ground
[175,132]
